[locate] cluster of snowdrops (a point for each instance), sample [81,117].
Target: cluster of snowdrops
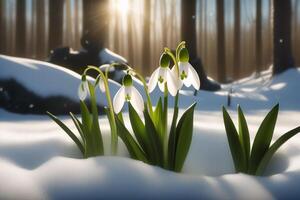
[152,141]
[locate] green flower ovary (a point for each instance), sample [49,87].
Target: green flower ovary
[164,60]
[127,80]
[184,55]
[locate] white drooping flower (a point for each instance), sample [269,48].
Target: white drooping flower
[100,82]
[187,74]
[83,89]
[128,93]
[163,75]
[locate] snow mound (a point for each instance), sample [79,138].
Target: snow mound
[107,56]
[45,79]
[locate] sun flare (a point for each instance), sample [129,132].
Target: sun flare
[121,6]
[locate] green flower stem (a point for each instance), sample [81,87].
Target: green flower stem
[147,92]
[114,136]
[165,123]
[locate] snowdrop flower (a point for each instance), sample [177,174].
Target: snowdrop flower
[163,75]
[83,89]
[187,74]
[100,82]
[130,94]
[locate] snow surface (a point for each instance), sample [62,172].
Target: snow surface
[45,79]
[39,161]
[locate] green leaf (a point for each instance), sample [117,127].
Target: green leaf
[132,146]
[244,136]
[86,117]
[268,155]
[78,126]
[155,140]
[263,139]
[68,131]
[234,143]
[158,117]
[95,129]
[172,141]
[184,134]
[140,132]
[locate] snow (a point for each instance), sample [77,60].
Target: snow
[107,56]
[59,81]
[39,161]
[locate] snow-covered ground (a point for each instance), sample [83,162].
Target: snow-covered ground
[39,161]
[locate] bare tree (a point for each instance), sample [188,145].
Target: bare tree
[258,42]
[283,58]
[221,41]
[188,26]
[2,24]
[55,23]
[20,27]
[95,20]
[146,37]
[237,39]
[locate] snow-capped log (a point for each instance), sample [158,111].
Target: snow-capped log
[31,86]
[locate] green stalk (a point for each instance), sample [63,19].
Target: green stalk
[165,124]
[114,136]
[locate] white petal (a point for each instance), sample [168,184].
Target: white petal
[101,85]
[187,82]
[184,66]
[161,86]
[172,83]
[194,78]
[153,80]
[162,72]
[119,100]
[137,100]
[82,91]
[179,82]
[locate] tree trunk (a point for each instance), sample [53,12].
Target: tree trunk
[146,38]
[283,58]
[237,39]
[221,41]
[188,26]
[41,44]
[2,27]
[56,8]
[95,20]
[258,35]
[21,28]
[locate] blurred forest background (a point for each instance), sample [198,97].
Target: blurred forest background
[233,38]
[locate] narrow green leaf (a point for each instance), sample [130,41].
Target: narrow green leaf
[68,131]
[274,147]
[234,143]
[140,132]
[78,126]
[172,141]
[155,140]
[132,146]
[263,139]
[85,117]
[244,136]
[184,134]
[158,117]
[95,129]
